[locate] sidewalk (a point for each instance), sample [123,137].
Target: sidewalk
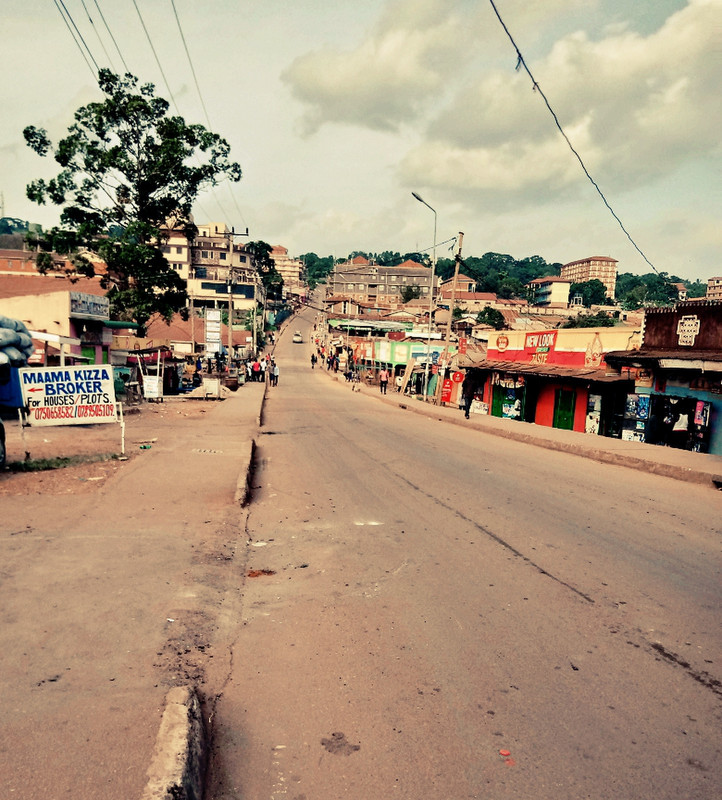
[113,596]
[669,462]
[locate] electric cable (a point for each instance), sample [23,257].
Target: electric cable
[90,19]
[535,86]
[200,96]
[110,33]
[67,22]
[157,60]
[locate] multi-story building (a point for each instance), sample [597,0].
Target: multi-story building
[550,292]
[215,268]
[290,269]
[368,282]
[601,268]
[714,288]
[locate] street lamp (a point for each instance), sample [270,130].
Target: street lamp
[431,299]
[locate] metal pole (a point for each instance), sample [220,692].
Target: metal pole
[439,382]
[431,300]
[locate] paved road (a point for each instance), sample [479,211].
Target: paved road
[427,597]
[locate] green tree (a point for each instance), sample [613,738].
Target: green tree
[695,288]
[316,269]
[491,316]
[599,320]
[409,293]
[127,170]
[266,268]
[593,293]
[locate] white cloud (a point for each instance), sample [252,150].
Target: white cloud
[390,77]
[634,107]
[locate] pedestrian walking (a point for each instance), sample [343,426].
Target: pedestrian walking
[467,394]
[383,380]
[274,373]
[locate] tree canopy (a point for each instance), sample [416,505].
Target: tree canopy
[593,293]
[266,268]
[127,172]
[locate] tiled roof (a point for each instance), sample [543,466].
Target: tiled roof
[181,330]
[22,285]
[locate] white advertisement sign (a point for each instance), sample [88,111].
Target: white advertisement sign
[68,395]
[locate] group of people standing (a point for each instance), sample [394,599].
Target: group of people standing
[259,370]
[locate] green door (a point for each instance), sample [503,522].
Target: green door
[564,409]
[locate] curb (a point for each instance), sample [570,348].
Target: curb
[615,458]
[178,767]
[179,759]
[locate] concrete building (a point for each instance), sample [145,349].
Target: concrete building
[601,268]
[714,289]
[216,269]
[550,292]
[368,282]
[290,269]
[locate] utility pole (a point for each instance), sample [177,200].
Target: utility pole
[440,378]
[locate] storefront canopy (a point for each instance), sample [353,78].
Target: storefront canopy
[550,371]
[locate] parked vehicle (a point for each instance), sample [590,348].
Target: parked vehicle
[10,401]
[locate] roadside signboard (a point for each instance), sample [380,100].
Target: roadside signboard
[463,343]
[446,390]
[68,395]
[457,377]
[213,330]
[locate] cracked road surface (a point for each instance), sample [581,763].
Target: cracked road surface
[437,613]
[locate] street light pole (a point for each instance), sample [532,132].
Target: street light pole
[431,299]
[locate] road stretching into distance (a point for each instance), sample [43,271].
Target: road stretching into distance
[439,613]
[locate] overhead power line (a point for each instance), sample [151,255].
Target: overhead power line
[67,19]
[90,19]
[110,33]
[522,63]
[157,60]
[203,104]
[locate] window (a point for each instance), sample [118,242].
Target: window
[166,249]
[204,254]
[179,250]
[223,256]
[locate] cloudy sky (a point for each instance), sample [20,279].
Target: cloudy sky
[338,110]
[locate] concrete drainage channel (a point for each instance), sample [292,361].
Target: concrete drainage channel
[180,757]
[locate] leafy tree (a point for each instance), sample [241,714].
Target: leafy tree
[594,292]
[126,172]
[696,288]
[388,259]
[266,268]
[316,269]
[409,293]
[491,316]
[599,320]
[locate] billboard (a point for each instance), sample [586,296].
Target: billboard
[68,395]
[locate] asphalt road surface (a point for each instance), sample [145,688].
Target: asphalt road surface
[432,612]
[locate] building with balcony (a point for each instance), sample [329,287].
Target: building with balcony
[367,282]
[714,289]
[601,268]
[550,292]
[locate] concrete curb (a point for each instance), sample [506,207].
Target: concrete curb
[178,767]
[617,457]
[177,770]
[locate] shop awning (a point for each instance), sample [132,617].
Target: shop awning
[585,374]
[695,360]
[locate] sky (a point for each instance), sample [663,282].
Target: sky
[338,110]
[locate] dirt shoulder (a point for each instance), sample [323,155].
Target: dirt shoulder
[100,444]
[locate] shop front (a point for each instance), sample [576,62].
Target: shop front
[677,396]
